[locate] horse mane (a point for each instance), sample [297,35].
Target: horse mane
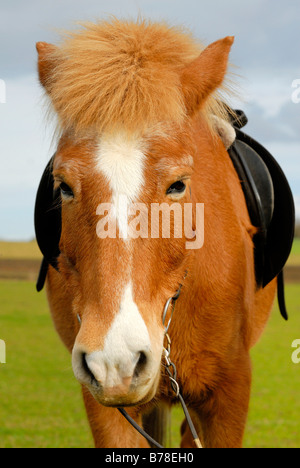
[116,73]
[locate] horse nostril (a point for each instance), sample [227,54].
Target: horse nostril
[142,361]
[87,369]
[90,369]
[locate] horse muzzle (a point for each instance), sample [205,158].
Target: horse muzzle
[126,379]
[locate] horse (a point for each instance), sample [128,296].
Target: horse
[142,120]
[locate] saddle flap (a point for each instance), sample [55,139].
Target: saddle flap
[270,203]
[256,182]
[47,217]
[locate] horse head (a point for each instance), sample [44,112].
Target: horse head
[138,117]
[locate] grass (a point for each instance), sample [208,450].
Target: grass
[41,403]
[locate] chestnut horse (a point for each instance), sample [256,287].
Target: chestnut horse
[140,118]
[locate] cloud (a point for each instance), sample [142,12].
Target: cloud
[264,29]
[282,126]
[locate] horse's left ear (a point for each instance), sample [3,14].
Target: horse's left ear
[45,62]
[205,74]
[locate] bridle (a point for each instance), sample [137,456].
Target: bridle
[171,372]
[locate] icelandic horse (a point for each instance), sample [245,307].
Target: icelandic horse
[140,117]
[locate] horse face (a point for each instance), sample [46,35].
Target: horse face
[119,278]
[123,252]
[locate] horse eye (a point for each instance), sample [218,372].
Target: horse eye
[65,190]
[177,187]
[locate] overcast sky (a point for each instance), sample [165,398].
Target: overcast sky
[266,54]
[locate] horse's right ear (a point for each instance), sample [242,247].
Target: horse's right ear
[45,62]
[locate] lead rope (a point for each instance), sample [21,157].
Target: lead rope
[171,368]
[139,429]
[172,374]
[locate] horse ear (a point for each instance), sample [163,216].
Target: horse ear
[45,62]
[205,74]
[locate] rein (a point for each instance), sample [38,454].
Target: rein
[172,374]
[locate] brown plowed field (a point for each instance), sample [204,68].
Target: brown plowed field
[23,269]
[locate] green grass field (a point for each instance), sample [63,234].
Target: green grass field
[41,404]
[40,400]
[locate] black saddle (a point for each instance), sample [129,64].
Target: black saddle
[267,193]
[270,205]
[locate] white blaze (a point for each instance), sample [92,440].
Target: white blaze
[121,159]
